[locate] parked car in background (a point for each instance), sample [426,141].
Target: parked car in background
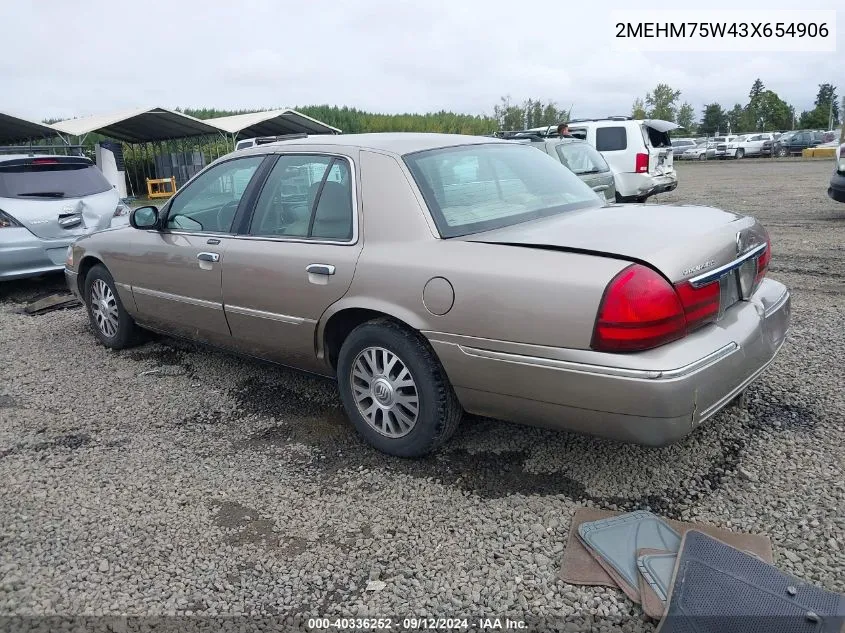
[432,274]
[747,145]
[702,151]
[581,158]
[46,202]
[793,143]
[837,181]
[638,151]
[682,144]
[722,145]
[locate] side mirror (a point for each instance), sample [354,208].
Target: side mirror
[144,217]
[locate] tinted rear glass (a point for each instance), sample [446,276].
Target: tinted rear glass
[473,188]
[611,139]
[61,180]
[581,158]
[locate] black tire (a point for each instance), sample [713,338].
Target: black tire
[439,410]
[740,153]
[702,157]
[127,333]
[782,153]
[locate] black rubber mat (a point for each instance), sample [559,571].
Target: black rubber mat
[719,589]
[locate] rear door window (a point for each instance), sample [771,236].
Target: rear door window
[45,179]
[581,158]
[611,139]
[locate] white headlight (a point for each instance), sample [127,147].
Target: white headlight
[121,210]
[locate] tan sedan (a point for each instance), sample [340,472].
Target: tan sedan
[437,274]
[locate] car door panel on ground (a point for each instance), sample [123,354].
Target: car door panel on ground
[177,272]
[298,258]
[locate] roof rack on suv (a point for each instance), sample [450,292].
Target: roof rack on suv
[264,140]
[522,134]
[606,118]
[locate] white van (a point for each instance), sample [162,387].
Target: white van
[639,152]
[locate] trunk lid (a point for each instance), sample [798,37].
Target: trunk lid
[56,196]
[681,242]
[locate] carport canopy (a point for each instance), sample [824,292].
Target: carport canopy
[271,123]
[139,126]
[16,130]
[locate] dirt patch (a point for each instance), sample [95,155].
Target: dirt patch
[245,526]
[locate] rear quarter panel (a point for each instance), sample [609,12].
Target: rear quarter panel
[507,293]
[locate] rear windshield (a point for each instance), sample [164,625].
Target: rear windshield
[58,180]
[581,158]
[475,188]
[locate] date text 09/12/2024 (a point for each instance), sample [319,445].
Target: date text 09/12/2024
[415,624]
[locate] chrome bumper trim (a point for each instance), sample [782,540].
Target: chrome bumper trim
[602,370]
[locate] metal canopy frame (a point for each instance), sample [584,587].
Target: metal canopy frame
[16,130]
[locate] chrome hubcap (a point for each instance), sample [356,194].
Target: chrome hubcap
[104,307]
[385,392]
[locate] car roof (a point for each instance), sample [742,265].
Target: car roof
[395,142]
[10,157]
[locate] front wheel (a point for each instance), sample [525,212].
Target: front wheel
[111,322]
[740,153]
[781,152]
[702,157]
[395,391]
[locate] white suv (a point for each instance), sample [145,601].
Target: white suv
[748,145]
[638,151]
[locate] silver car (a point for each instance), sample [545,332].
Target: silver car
[583,161]
[433,274]
[47,202]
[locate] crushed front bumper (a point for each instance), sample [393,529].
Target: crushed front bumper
[654,397]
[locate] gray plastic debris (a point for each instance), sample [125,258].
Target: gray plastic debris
[617,540]
[657,570]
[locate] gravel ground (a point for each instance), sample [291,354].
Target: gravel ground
[172,480]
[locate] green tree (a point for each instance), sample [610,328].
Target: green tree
[638,109]
[735,119]
[686,117]
[757,89]
[713,119]
[773,113]
[661,102]
[826,103]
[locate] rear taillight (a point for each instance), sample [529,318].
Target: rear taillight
[45,161]
[763,262]
[701,305]
[641,164]
[639,310]
[8,222]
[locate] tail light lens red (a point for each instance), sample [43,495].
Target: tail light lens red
[45,161]
[641,164]
[763,262]
[641,310]
[701,305]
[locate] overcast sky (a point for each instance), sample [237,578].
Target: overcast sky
[76,58]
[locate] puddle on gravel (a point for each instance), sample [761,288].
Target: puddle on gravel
[246,526]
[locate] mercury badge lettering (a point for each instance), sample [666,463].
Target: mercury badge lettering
[709,263]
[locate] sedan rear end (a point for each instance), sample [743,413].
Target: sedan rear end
[46,203]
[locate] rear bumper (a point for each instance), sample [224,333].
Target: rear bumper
[22,254]
[654,397]
[630,186]
[837,187]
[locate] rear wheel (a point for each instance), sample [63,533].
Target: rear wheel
[395,391]
[111,322]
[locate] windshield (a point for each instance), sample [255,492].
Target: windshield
[473,188]
[51,180]
[581,158]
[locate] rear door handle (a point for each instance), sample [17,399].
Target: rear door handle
[208,257]
[320,269]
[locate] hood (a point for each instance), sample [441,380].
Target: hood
[679,241]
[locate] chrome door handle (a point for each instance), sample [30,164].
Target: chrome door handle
[208,257]
[320,269]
